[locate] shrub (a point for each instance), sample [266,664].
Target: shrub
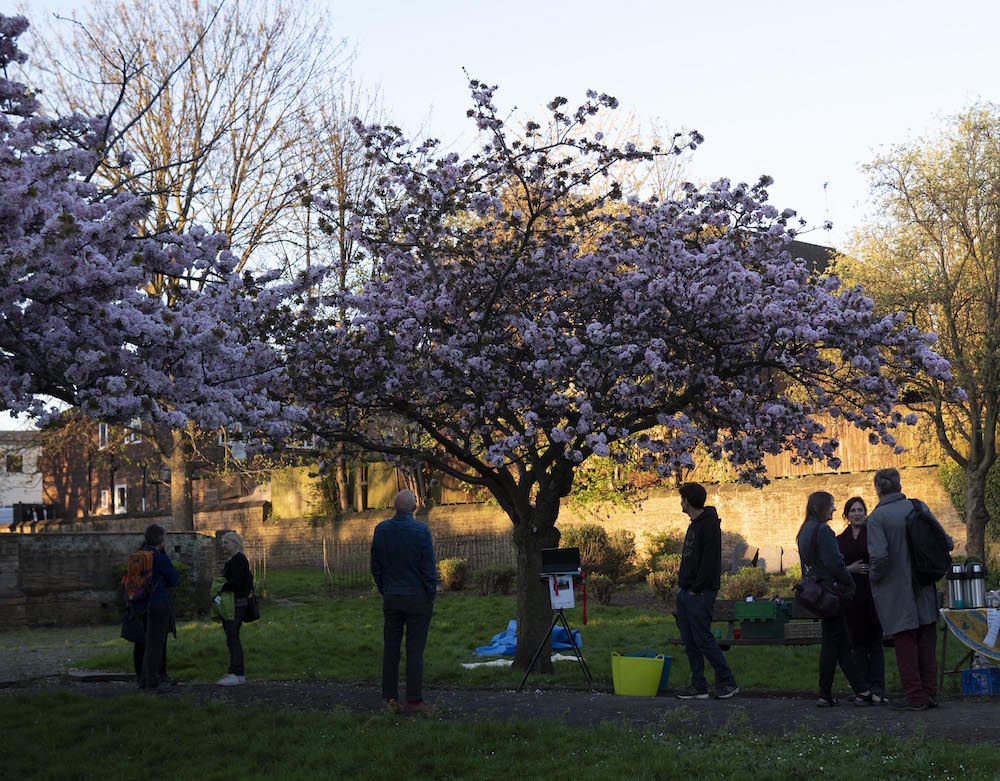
[494,580]
[452,573]
[620,556]
[592,540]
[745,582]
[661,545]
[663,581]
[602,587]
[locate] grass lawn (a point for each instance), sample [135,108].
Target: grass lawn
[65,736]
[304,633]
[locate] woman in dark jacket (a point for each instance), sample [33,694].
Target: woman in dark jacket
[159,617]
[820,556]
[862,620]
[238,580]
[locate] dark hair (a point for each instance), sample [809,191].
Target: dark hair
[817,503]
[887,481]
[852,501]
[154,535]
[695,494]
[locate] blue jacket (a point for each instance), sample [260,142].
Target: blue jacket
[164,577]
[828,564]
[403,558]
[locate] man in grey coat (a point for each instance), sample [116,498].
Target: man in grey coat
[906,610]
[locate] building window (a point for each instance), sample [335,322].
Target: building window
[306,443]
[102,436]
[230,435]
[105,499]
[15,463]
[121,499]
[134,434]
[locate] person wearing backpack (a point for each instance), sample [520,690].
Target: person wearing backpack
[907,609]
[159,614]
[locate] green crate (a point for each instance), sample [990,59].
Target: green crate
[763,628]
[762,609]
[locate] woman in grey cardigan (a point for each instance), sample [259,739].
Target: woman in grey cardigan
[820,556]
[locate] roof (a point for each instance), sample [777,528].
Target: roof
[817,257]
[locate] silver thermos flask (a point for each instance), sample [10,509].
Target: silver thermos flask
[956,586]
[975,584]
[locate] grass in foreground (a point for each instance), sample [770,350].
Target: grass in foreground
[305,633]
[64,736]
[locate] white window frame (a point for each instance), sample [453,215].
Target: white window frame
[103,435]
[121,507]
[105,499]
[134,436]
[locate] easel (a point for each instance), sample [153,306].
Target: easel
[560,565]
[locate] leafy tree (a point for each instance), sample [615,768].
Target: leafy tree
[934,252]
[525,314]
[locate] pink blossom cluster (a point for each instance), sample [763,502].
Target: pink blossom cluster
[94,314]
[526,313]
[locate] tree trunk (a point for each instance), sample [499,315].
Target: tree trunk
[534,613]
[976,515]
[343,495]
[181,488]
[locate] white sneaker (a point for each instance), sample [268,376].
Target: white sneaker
[243,678]
[229,680]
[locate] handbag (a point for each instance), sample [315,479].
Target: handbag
[822,597]
[252,612]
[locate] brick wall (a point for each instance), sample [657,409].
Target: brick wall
[59,573]
[68,579]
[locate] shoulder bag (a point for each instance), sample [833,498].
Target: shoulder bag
[824,598]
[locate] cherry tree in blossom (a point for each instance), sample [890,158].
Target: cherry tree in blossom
[526,314]
[97,315]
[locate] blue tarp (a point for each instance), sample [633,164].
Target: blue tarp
[505,643]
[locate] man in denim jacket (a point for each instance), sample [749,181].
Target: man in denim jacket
[402,562]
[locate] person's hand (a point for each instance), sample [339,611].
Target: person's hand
[857,568]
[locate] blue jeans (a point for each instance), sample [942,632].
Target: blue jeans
[694,619]
[412,612]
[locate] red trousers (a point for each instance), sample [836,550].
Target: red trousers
[916,658]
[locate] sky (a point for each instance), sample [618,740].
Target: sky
[803,91]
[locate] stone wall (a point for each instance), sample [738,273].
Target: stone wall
[766,519]
[60,572]
[64,579]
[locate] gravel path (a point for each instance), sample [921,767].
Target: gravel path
[33,653]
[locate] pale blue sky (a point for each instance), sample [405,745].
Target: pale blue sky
[803,91]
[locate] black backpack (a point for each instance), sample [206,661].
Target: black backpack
[929,549]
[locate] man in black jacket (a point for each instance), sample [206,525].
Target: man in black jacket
[697,585]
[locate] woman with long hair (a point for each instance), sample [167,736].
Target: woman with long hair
[820,557]
[862,620]
[239,580]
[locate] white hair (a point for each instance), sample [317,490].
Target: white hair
[405,502]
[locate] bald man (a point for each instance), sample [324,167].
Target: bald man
[403,567]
